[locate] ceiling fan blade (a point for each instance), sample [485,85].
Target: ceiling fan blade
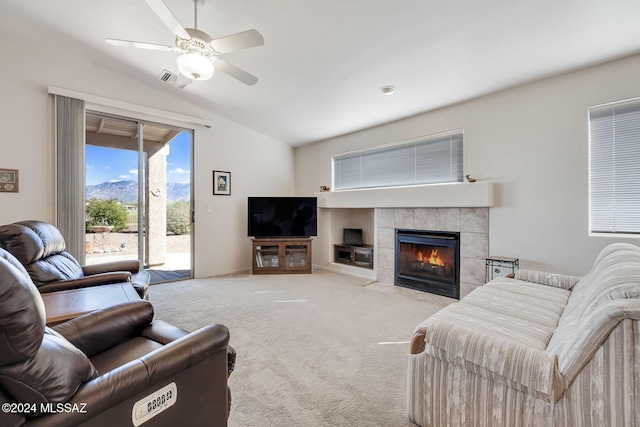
[142,45]
[168,18]
[235,72]
[238,41]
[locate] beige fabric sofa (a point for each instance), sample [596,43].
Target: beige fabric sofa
[537,350]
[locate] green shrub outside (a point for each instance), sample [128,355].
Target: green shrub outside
[178,218]
[113,213]
[106,212]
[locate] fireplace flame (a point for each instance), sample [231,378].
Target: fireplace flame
[432,259]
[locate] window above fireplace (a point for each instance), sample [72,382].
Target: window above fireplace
[428,160]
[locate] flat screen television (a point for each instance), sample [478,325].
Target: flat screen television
[282,216]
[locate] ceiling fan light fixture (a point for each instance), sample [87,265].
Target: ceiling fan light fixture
[195,66]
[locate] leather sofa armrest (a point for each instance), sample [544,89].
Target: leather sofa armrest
[162,332]
[100,330]
[140,281]
[131,265]
[418,341]
[149,373]
[87,281]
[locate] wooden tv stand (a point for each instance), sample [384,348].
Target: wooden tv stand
[281,255]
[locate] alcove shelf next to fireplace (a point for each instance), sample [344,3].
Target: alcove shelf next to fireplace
[360,256]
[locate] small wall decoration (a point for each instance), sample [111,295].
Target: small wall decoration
[9,180]
[222,183]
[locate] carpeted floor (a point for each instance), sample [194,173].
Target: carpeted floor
[323,349]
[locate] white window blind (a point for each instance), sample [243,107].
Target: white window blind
[614,168]
[430,160]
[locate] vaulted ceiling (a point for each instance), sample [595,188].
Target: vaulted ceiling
[323,62]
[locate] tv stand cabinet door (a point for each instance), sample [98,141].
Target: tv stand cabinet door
[281,256]
[297,256]
[266,257]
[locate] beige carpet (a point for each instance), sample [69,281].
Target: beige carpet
[323,349]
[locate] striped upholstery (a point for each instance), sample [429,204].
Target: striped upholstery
[538,350]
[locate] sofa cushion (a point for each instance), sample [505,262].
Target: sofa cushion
[596,304]
[61,266]
[616,282]
[550,279]
[40,247]
[525,313]
[49,238]
[30,241]
[22,314]
[614,294]
[36,364]
[535,303]
[53,375]
[610,256]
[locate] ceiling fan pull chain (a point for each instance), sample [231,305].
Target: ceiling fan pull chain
[195,14]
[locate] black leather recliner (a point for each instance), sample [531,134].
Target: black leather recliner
[40,247]
[112,367]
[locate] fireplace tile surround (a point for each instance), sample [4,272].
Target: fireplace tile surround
[472,223]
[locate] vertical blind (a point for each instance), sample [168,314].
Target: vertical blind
[614,174]
[70,167]
[427,161]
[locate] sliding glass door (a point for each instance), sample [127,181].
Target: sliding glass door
[139,195]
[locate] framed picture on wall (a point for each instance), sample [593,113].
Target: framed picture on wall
[221,183]
[9,180]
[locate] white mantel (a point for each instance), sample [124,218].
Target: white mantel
[452,195]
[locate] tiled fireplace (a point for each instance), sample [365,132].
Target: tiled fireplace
[470,224]
[428,261]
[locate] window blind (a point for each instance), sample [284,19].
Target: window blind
[70,171]
[614,168]
[427,161]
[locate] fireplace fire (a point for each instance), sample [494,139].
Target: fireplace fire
[428,261]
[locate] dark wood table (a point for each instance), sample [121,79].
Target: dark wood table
[64,305]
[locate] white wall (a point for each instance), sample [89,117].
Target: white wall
[259,165]
[533,143]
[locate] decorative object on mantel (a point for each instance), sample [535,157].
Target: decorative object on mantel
[324,189]
[222,183]
[470,179]
[9,181]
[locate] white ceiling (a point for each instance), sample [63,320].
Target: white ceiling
[324,61]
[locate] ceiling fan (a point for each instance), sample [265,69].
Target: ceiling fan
[199,52]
